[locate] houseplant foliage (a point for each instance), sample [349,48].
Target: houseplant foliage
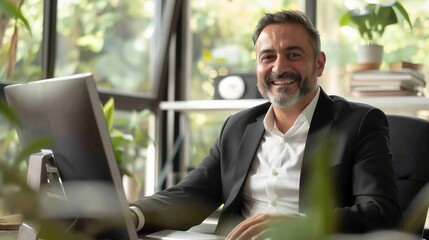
[13,11]
[127,139]
[372,19]
[119,139]
[9,10]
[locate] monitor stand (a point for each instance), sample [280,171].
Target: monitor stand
[43,177]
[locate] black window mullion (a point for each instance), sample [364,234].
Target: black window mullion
[49,38]
[311,10]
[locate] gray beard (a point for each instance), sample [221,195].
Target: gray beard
[286,101]
[283,101]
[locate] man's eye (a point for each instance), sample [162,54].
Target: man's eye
[266,57]
[293,56]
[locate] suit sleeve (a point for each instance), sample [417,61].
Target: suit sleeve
[189,202]
[374,187]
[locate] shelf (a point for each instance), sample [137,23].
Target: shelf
[210,105]
[401,105]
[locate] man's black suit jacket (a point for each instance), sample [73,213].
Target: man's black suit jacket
[361,166]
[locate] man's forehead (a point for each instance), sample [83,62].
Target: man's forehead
[286,29]
[282,33]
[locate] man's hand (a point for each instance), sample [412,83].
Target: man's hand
[258,227]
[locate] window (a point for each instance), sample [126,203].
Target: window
[114,40]
[111,39]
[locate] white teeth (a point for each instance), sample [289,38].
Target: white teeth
[283,81]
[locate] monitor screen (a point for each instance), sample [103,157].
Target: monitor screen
[69,112]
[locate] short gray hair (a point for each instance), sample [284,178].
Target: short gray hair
[289,16]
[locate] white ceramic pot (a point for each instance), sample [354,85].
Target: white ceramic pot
[371,53]
[131,188]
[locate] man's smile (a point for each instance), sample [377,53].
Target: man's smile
[286,78]
[283,81]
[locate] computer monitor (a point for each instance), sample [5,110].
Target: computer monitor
[68,111]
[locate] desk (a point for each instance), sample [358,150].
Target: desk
[206,227]
[373,236]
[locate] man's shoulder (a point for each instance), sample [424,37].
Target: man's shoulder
[240,120]
[252,113]
[341,102]
[348,110]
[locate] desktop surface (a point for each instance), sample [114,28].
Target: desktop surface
[181,235]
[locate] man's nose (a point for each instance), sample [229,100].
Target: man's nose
[281,65]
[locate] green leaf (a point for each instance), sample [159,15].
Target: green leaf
[109,113]
[372,20]
[403,12]
[121,139]
[9,113]
[386,16]
[13,11]
[345,20]
[7,139]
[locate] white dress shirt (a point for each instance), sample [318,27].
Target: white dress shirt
[272,185]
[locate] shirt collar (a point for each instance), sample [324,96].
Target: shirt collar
[305,115]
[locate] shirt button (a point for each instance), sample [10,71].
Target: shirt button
[273,203]
[274,172]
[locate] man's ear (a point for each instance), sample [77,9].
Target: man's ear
[320,63]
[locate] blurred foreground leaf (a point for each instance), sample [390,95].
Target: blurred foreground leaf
[14,11]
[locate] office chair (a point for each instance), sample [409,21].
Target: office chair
[409,141]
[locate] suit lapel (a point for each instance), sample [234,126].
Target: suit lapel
[246,153]
[231,213]
[319,129]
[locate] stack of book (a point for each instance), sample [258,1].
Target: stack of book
[403,79]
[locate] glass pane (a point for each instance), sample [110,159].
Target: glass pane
[340,43]
[22,64]
[204,128]
[111,39]
[222,39]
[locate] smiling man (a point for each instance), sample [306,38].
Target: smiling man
[288,65]
[259,165]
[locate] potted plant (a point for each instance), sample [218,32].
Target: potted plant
[127,147]
[371,21]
